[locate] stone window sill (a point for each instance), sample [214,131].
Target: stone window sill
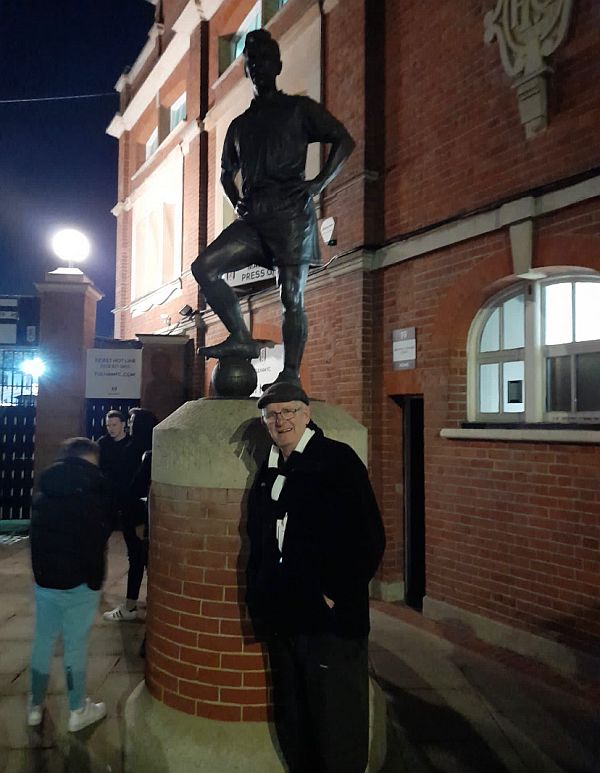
[524,434]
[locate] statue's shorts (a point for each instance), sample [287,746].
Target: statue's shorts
[277,230]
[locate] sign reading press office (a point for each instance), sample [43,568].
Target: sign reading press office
[114,373]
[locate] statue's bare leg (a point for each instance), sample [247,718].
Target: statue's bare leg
[291,281]
[235,248]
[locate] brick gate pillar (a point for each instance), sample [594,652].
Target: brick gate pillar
[67,328]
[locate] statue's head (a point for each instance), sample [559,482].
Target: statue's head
[262,60]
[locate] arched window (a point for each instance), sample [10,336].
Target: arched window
[534,353]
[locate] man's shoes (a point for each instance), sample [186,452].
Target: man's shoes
[34,714]
[120,614]
[230,347]
[90,713]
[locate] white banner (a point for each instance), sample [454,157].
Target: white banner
[248,275]
[114,373]
[268,365]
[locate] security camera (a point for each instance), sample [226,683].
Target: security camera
[186,311]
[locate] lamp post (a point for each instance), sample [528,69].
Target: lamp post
[72,246]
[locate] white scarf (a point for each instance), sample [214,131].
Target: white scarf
[279,483]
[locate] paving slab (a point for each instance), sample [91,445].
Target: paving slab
[450,709]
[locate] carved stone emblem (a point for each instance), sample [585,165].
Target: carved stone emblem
[528,31]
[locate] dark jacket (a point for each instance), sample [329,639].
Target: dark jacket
[70,525]
[334,541]
[140,491]
[119,460]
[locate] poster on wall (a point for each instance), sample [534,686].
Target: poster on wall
[268,365]
[113,373]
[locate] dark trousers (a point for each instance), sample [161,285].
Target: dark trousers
[137,560]
[321,687]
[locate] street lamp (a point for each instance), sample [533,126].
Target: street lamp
[71,246]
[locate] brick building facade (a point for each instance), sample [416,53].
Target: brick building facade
[469,211]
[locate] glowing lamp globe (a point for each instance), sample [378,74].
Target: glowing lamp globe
[70,245]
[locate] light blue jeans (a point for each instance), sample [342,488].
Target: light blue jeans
[70,613]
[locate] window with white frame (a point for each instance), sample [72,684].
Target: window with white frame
[152,144]
[231,46]
[177,112]
[534,353]
[157,229]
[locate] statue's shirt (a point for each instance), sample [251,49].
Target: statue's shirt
[268,145]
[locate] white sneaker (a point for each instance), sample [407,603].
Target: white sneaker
[119,614]
[34,714]
[89,714]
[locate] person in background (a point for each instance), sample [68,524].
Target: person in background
[70,526]
[134,510]
[142,425]
[316,540]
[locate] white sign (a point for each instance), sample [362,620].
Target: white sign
[327,229]
[268,365]
[404,348]
[246,276]
[114,373]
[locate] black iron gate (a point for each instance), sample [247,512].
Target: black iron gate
[17,439]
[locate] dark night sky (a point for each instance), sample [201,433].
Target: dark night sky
[58,167]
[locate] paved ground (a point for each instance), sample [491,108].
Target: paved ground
[451,708]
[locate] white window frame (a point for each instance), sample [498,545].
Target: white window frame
[534,355]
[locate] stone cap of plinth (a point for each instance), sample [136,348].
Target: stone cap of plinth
[219,443]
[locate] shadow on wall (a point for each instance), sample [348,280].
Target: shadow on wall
[252,444]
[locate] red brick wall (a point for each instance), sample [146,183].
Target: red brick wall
[454,140]
[513,529]
[201,657]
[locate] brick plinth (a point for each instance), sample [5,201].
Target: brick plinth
[201,657]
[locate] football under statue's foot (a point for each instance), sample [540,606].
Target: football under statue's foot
[249,349]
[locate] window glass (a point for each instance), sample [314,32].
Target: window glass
[558,384]
[558,314]
[490,338]
[587,311]
[513,323]
[489,399]
[587,376]
[152,144]
[513,386]
[250,23]
[177,112]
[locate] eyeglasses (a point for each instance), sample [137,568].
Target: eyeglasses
[285,413]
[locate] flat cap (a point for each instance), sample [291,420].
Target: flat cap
[282,392]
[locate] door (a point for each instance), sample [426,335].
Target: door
[414,502]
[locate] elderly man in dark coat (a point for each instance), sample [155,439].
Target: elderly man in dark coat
[316,540]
